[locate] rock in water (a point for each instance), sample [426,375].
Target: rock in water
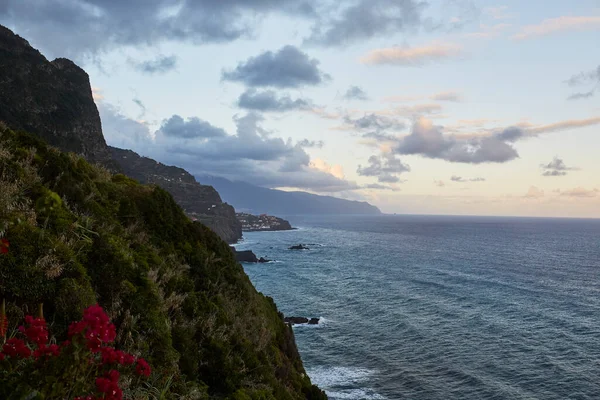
[299,247]
[295,320]
[313,321]
[264,260]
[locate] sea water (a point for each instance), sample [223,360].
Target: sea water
[435,307]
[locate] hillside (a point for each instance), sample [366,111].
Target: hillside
[198,201]
[258,200]
[79,235]
[54,101]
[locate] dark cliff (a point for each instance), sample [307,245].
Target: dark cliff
[198,201]
[50,99]
[54,101]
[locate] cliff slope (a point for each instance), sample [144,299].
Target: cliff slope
[54,101]
[79,235]
[198,201]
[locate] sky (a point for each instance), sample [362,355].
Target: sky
[440,107]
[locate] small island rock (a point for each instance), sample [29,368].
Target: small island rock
[299,247]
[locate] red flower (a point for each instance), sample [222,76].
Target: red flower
[52,350]
[2,356]
[16,348]
[142,367]
[4,245]
[37,331]
[109,385]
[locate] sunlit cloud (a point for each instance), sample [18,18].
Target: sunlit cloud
[412,56]
[560,24]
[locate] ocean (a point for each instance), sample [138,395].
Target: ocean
[439,307]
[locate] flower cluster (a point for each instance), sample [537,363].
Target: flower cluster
[97,327]
[16,348]
[109,385]
[88,345]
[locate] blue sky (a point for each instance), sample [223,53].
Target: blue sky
[445,107]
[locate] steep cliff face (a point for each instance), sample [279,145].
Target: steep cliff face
[50,99]
[198,201]
[54,101]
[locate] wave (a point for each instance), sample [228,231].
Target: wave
[344,382]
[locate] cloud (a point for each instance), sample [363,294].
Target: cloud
[585,77]
[455,178]
[194,127]
[321,165]
[582,78]
[429,141]
[579,192]
[439,183]
[285,68]
[411,56]
[556,167]
[159,65]
[534,193]
[311,143]
[355,93]
[141,105]
[378,186]
[375,122]
[268,100]
[385,167]
[252,154]
[560,24]
[366,19]
[79,29]
[583,95]
[119,130]
[447,96]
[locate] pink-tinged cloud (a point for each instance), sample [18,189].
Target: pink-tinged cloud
[560,24]
[580,192]
[534,193]
[411,56]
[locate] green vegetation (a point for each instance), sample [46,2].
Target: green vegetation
[79,235]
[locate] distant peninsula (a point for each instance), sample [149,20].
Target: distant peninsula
[263,222]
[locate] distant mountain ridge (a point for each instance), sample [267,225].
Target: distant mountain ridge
[258,200]
[199,201]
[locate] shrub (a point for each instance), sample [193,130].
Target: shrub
[84,367]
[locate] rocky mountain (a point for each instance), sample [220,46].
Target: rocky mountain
[200,202]
[258,200]
[52,99]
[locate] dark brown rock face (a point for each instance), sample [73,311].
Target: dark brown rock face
[198,201]
[50,99]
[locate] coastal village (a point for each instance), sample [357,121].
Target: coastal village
[263,222]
